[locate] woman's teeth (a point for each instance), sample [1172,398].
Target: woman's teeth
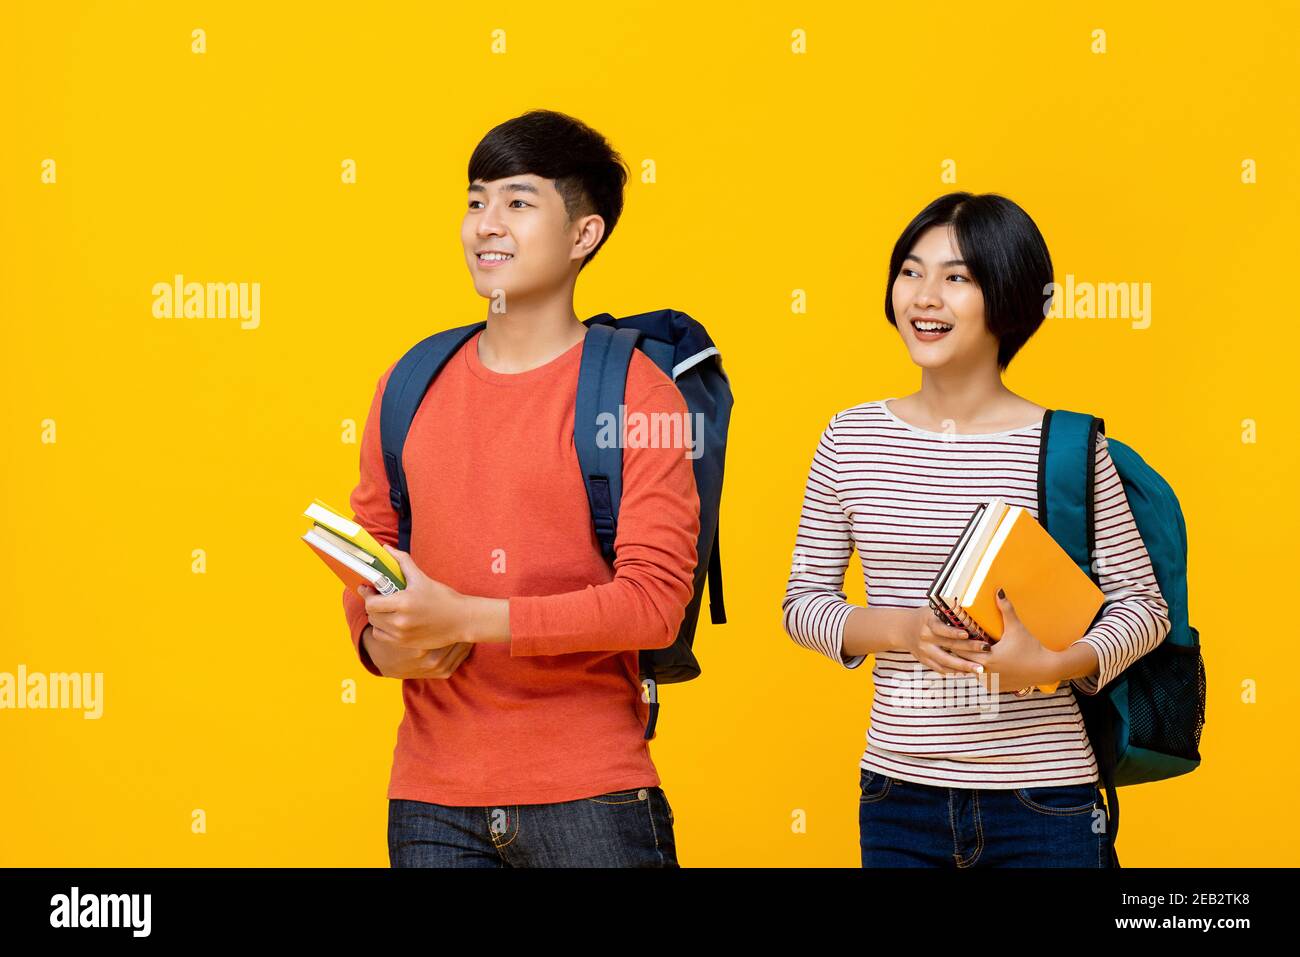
[930,330]
[494,257]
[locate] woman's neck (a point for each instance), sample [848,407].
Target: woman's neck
[972,403]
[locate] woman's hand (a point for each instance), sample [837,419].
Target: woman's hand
[942,647]
[1019,659]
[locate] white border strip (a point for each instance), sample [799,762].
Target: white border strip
[693,361]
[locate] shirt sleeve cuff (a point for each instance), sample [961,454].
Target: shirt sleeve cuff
[856,660]
[525,627]
[357,627]
[1091,684]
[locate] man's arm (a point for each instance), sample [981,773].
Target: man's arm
[373,511]
[364,652]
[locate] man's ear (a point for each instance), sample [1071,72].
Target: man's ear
[591,228]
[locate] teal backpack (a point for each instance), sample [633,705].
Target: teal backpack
[1146,724]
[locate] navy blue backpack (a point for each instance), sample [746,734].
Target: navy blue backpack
[1146,724]
[683,351]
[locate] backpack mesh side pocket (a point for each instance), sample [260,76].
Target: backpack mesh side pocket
[1167,699]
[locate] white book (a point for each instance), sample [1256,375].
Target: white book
[381,582]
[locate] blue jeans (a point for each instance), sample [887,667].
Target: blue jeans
[632,828]
[904,824]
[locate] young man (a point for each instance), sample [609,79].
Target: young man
[517,645]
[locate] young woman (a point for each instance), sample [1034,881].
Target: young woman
[959,769]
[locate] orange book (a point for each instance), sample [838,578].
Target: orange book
[1052,595]
[352,564]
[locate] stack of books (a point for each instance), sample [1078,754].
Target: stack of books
[1005,547]
[351,552]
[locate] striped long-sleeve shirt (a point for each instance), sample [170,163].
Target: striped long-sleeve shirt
[901,496]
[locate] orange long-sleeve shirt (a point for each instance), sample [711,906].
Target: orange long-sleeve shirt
[498,509]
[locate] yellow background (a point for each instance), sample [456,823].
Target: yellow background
[775,172]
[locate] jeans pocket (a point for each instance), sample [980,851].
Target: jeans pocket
[665,839]
[628,828]
[1059,799]
[873,786]
[620,797]
[667,807]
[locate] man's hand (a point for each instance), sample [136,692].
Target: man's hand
[418,632]
[396,660]
[1018,658]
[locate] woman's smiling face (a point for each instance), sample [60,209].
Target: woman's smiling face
[934,287]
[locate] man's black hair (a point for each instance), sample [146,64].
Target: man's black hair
[589,175]
[1006,255]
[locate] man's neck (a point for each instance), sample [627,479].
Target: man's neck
[529,335]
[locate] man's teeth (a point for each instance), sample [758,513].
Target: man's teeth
[932,326]
[495,257]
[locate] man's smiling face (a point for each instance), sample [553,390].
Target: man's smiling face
[519,239]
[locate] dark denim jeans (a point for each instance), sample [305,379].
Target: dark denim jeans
[632,828]
[904,824]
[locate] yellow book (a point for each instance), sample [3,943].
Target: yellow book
[1052,595]
[345,528]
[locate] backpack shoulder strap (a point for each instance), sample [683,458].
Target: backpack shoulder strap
[1066,481]
[407,385]
[1066,476]
[679,346]
[602,381]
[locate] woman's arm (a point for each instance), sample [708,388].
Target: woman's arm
[1136,616]
[814,611]
[868,630]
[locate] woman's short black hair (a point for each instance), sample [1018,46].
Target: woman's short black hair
[1006,255]
[588,173]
